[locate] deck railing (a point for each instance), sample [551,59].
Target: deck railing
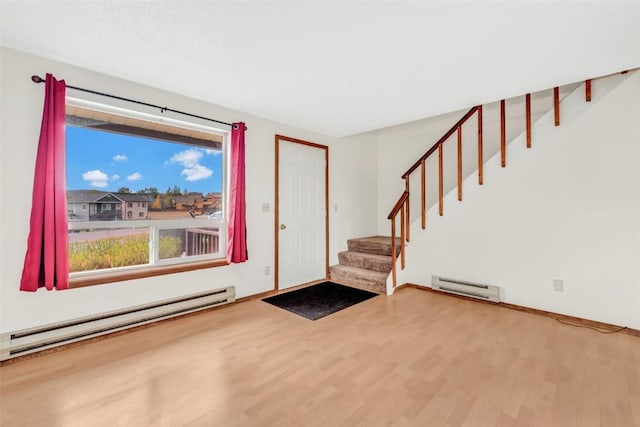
[201,241]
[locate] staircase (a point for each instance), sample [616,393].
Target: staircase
[369,260]
[433,158]
[366,264]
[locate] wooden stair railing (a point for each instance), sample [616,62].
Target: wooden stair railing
[402,206]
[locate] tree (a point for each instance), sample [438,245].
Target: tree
[185,192]
[157,203]
[176,191]
[168,203]
[124,190]
[152,191]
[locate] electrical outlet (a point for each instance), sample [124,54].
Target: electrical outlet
[265,207]
[558,285]
[267,270]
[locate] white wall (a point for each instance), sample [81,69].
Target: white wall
[352,197]
[569,209]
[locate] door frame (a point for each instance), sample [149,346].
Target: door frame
[276,224]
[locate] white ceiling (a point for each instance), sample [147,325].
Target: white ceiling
[334,67]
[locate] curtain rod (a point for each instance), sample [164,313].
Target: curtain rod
[38,79]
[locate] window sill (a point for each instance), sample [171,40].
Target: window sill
[102,278]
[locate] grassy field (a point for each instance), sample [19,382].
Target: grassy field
[118,252]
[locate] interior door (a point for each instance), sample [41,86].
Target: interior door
[301,212]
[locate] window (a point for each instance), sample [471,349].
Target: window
[170,176]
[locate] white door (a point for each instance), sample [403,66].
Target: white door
[302,213]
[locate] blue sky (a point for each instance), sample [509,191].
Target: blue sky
[107,161]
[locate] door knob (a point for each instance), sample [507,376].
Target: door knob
[282,226]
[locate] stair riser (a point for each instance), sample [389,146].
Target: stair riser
[363,282]
[369,247]
[361,261]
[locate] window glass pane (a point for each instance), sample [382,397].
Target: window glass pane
[189,242]
[172,176]
[123,171]
[109,248]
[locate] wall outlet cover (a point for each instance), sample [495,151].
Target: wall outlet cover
[558,285]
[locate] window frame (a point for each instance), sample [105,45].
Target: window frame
[157,266]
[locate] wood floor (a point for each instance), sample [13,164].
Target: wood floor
[415,358]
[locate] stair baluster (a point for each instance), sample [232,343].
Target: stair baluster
[528,116]
[503,134]
[440,182]
[423,192]
[480,149]
[460,163]
[556,105]
[407,211]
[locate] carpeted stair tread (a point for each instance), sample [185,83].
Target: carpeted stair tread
[375,262]
[379,245]
[367,279]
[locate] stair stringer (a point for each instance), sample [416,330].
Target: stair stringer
[543,130]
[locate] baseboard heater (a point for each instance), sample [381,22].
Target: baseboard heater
[27,341]
[467,289]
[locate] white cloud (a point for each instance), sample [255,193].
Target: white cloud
[96,178]
[187,158]
[190,160]
[119,157]
[115,177]
[136,176]
[210,151]
[196,173]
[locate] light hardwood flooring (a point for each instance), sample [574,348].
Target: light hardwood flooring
[415,358]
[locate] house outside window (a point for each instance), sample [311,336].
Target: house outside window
[121,158]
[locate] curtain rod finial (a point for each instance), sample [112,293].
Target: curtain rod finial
[37,79]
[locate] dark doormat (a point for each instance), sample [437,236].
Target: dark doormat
[319,300]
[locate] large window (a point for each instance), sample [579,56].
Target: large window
[144,193]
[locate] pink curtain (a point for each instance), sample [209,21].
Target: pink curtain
[237,231]
[46,263]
